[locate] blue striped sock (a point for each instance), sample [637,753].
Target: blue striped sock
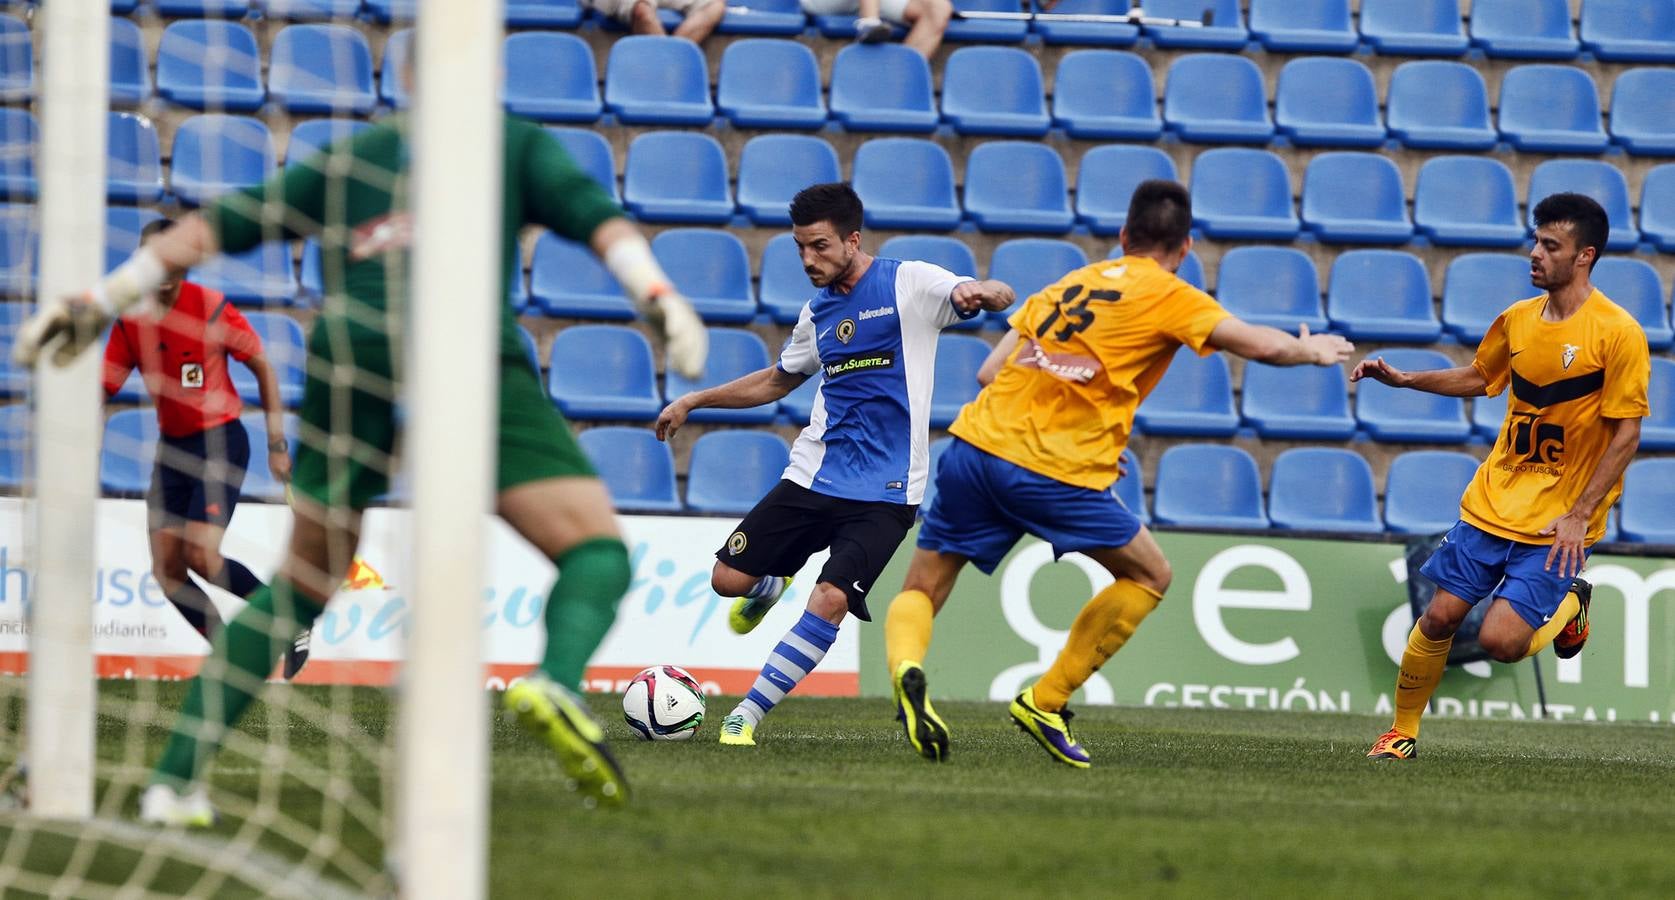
[798,653]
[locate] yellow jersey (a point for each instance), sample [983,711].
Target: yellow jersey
[1565,378]
[1092,346]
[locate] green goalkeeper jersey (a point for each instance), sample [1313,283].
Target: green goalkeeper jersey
[352,198]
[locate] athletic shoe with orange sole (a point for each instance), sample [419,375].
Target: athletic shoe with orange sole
[1569,642]
[1394,745]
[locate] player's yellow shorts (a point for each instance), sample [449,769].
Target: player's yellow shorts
[350,423]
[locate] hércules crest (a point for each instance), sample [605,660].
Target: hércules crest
[1569,355]
[846,330]
[737,543]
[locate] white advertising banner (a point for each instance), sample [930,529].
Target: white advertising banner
[670,615]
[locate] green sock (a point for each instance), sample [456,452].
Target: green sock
[592,577]
[241,657]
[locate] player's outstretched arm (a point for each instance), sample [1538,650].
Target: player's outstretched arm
[1460,381]
[997,358]
[759,387]
[1277,348]
[971,296]
[625,252]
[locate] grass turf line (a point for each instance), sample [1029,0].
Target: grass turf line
[1178,803]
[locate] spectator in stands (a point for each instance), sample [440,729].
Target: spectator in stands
[701,16]
[926,19]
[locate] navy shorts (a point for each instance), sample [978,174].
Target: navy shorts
[984,504]
[197,478]
[1473,564]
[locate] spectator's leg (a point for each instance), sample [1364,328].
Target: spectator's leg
[929,21]
[701,20]
[643,19]
[870,27]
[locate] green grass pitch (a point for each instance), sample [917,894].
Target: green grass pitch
[832,803]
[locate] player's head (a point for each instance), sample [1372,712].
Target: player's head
[826,224]
[1159,223]
[166,290]
[1570,233]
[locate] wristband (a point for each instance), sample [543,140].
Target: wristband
[631,262]
[138,277]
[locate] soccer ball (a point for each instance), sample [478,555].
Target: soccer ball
[663,703]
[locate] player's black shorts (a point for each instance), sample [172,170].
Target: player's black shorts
[197,478]
[793,523]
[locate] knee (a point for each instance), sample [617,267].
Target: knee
[1506,648]
[170,572]
[206,561]
[829,602]
[939,13]
[730,582]
[1158,577]
[1435,625]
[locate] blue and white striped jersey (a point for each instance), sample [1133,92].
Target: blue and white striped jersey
[875,349]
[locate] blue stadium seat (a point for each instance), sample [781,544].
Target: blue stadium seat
[1524,29]
[1105,94]
[784,287]
[11,314]
[1643,111]
[1194,397]
[774,167]
[1478,288]
[1488,415]
[17,60]
[1600,180]
[310,10]
[637,468]
[551,77]
[123,225]
[217,9]
[314,135]
[734,353]
[657,80]
[1634,285]
[1275,286]
[130,447]
[1657,207]
[906,183]
[776,17]
[798,405]
[19,136]
[14,383]
[20,255]
[1191,270]
[1308,403]
[1215,98]
[994,90]
[712,268]
[1436,105]
[1226,31]
[286,350]
[1208,486]
[1325,102]
[1414,27]
[1323,489]
[1303,26]
[134,162]
[1029,265]
[387,11]
[215,153]
[729,471]
[210,65]
[322,69]
[258,277]
[1017,186]
[1551,109]
[543,14]
[1629,30]
[1390,414]
[882,87]
[592,152]
[1373,212]
[1648,502]
[603,372]
[986,30]
[1422,490]
[566,279]
[14,441]
[1131,487]
[958,357]
[130,70]
[1242,194]
[1657,430]
[766,83]
[1381,295]
[677,176]
[948,252]
[392,91]
[1107,178]
[1103,34]
[1468,201]
[259,483]
[530,349]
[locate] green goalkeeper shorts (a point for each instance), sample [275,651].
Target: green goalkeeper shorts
[349,432]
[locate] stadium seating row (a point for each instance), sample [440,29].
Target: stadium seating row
[769,83]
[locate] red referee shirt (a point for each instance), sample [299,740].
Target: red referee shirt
[183,359]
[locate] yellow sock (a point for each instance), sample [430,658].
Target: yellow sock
[1545,634]
[1422,665]
[1100,629]
[907,628]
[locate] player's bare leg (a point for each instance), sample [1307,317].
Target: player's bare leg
[753,595]
[907,637]
[170,555]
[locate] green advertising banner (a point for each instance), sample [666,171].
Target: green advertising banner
[1282,623]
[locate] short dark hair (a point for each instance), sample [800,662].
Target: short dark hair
[835,202]
[1586,217]
[1159,216]
[155,226]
